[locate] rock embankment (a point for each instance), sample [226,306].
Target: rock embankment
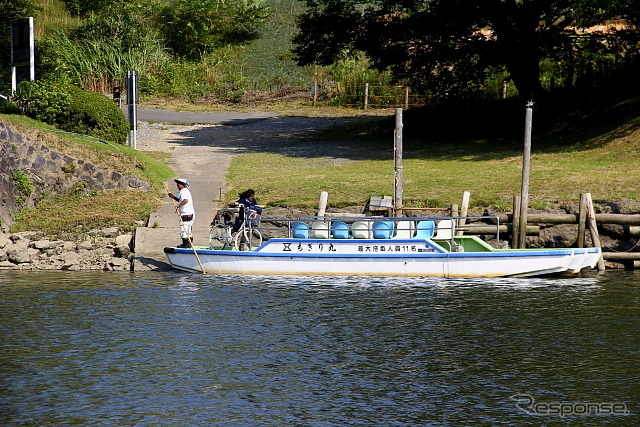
[107,249]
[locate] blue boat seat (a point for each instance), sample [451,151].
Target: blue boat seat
[425,229]
[300,230]
[382,229]
[404,229]
[361,229]
[319,230]
[339,230]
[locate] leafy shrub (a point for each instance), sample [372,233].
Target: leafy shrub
[7,107]
[94,114]
[42,100]
[195,28]
[73,109]
[23,183]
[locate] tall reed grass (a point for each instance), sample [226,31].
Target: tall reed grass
[97,65]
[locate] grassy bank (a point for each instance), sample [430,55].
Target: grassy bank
[78,212]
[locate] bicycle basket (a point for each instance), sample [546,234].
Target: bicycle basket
[226,215]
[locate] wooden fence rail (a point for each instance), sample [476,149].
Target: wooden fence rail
[619,219]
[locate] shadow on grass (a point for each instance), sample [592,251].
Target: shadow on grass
[489,131]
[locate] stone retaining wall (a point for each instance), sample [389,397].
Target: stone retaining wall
[50,171]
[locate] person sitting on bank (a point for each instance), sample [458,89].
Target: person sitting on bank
[253,211]
[186,210]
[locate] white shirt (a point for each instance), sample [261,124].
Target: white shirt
[187,208]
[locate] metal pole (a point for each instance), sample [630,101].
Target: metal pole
[132,100]
[397,149]
[32,49]
[526,166]
[14,80]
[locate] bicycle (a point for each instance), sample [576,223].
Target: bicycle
[247,236]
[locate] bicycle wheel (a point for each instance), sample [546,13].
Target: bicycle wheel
[245,242]
[220,234]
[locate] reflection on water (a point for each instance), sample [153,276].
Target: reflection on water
[157,349]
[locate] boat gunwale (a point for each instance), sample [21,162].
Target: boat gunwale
[498,253]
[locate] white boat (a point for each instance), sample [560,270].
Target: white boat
[377,247]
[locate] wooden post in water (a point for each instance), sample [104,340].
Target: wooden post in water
[398,168]
[464,209]
[582,219]
[526,166]
[515,222]
[593,228]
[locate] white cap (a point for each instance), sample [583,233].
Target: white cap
[182,181]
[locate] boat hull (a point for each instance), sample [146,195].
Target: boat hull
[400,258]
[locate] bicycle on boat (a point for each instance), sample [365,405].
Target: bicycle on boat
[222,231]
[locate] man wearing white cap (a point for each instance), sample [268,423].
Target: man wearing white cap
[187,212]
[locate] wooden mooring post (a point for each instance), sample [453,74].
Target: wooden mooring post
[526,166]
[464,209]
[398,168]
[515,234]
[593,228]
[582,220]
[322,204]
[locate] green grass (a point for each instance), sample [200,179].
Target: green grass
[66,217]
[77,213]
[602,161]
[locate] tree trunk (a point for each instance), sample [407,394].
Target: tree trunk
[518,43]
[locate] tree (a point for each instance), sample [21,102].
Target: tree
[195,27]
[451,45]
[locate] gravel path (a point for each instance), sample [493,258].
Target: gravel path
[291,135]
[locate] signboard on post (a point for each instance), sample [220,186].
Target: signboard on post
[22,49]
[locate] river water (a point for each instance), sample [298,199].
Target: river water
[186,349]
